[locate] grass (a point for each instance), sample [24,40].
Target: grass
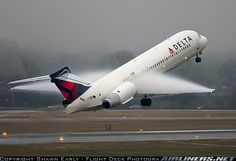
[154,148]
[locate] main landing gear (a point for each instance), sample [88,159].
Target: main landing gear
[146,101]
[65,103]
[198,59]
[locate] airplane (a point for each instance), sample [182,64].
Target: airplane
[119,86]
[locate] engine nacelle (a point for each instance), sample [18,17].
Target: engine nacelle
[122,94]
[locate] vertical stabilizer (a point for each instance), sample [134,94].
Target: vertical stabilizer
[70,85]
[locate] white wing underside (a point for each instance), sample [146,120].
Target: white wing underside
[163,84]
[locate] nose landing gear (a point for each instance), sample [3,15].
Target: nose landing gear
[198,59]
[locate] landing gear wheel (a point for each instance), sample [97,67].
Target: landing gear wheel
[143,102]
[146,102]
[198,59]
[149,102]
[65,103]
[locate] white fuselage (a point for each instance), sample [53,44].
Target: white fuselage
[161,58]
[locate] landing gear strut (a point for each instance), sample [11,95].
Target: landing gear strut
[198,59]
[146,101]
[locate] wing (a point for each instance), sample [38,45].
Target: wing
[163,84]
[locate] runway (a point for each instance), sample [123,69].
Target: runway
[117,136]
[25,127]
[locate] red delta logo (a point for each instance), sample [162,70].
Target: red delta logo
[171,51]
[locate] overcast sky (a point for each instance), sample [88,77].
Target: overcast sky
[96,26]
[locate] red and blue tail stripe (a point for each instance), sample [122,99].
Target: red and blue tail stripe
[71,90]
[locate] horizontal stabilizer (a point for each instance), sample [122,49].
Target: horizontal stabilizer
[30,80]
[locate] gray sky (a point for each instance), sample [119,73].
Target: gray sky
[98,26]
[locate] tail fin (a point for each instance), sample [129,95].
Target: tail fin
[70,85]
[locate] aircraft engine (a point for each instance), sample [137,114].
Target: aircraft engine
[122,94]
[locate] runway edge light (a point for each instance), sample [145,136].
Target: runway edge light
[4,134]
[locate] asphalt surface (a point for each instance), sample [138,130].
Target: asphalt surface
[117,136]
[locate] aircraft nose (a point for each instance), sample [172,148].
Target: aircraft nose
[203,42]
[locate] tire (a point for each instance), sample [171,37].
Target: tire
[146,102]
[65,103]
[143,102]
[149,102]
[198,59]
